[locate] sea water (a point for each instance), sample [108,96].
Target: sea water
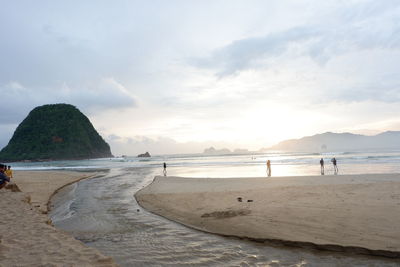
[102,211]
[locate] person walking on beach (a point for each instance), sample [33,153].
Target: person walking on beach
[165,169]
[269,168]
[3,178]
[335,168]
[321,162]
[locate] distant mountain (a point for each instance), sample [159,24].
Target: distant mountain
[53,132]
[224,151]
[213,151]
[340,142]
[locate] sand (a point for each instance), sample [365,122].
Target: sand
[357,213]
[27,237]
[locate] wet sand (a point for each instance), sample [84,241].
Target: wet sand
[356,213]
[27,237]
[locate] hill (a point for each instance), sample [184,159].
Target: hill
[340,142]
[213,151]
[55,132]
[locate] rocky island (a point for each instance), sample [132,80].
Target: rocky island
[144,155]
[55,132]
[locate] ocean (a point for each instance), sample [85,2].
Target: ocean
[102,211]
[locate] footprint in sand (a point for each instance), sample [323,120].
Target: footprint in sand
[226,214]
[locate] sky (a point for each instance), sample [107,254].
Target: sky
[179,76]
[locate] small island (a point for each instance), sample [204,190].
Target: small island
[55,132]
[144,155]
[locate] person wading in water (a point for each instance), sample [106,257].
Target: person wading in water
[322,166]
[335,168]
[165,169]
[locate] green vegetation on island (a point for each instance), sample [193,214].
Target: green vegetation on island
[55,132]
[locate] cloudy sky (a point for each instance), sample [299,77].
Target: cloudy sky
[177,76]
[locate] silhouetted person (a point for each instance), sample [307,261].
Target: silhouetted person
[335,168]
[321,162]
[269,168]
[165,169]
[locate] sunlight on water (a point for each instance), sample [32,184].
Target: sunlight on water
[247,165]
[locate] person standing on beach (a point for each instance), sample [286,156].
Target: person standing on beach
[335,168]
[269,168]
[165,169]
[3,178]
[321,162]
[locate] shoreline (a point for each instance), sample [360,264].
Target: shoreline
[41,186]
[92,175]
[347,213]
[27,236]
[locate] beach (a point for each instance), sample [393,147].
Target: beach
[354,213]
[27,237]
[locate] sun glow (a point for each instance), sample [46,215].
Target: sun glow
[272,123]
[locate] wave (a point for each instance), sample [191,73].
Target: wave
[201,160]
[48,168]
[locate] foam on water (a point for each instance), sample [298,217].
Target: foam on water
[253,163]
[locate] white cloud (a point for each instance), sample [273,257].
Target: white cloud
[348,28]
[15,85]
[284,68]
[104,94]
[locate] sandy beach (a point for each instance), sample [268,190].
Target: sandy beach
[356,213]
[27,237]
